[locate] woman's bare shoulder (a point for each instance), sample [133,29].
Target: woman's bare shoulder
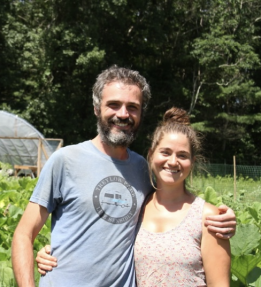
[210,209]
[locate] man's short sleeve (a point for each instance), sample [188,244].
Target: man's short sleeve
[47,192]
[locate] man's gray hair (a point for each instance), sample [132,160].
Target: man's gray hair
[125,76]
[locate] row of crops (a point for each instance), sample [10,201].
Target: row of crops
[245,245]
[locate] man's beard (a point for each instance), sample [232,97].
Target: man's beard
[121,138]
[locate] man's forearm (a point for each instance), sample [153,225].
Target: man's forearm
[23,261]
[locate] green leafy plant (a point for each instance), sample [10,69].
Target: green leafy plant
[246,244]
[14,197]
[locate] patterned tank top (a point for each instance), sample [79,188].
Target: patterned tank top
[172,258]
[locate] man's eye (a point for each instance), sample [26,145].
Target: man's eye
[113,105]
[132,108]
[183,156]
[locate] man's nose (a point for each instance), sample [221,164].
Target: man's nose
[122,112]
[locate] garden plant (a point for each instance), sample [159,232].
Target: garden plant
[245,245]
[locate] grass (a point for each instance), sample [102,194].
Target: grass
[247,189]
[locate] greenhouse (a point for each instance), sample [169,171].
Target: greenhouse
[23,146]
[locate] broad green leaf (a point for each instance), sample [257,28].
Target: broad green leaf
[253,212]
[6,275]
[245,217]
[9,185]
[2,221]
[257,207]
[14,211]
[4,254]
[210,195]
[3,185]
[237,283]
[254,277]
[13,195]
[242,265]
[246,239]
[48,222]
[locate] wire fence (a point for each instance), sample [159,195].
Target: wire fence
[236,180]
[245,171]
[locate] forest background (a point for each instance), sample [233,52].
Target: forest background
[203,56]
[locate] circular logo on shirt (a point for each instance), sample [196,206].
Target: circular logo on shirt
[114,200]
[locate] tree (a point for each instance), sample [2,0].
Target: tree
[199,55]
[226,61]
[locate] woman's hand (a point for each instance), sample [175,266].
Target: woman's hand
[45,261]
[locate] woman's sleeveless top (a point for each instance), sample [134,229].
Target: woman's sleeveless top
[172,258]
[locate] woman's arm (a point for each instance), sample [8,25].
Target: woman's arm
[45,261]
[215,254]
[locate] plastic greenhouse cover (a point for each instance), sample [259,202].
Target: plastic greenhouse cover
[18,150]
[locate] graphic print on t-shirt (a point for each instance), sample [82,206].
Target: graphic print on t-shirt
[114,200]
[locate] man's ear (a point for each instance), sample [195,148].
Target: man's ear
[96,112]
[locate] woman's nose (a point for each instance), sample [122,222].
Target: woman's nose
[173,160]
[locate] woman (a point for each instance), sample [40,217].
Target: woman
[173,247]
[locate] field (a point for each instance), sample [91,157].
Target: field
[246,190]
[245,246]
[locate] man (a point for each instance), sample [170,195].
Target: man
[94,191]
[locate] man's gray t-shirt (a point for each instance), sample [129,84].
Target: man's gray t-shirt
[95,202]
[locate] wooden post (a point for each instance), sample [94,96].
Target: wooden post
[39,157]
[37,166]
[235,177]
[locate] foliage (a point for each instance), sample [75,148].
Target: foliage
[246,244]
[246,250]
[226,57]
[247,189]
[14,197]
[202,56]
